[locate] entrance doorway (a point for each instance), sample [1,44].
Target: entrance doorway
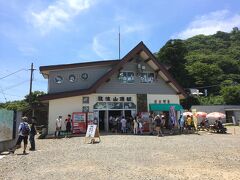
[112,124]
[128,113]
[115,113]
[101,120]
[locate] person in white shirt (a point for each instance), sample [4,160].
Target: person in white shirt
[124,124]
[58,126]
[135,126]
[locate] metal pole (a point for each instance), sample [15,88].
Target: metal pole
[30,89]
[31,77]
[119,44]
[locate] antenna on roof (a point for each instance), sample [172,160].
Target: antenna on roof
[119,43]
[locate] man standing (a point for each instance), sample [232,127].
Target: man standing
[33,132]
[68,122]
[158,123]
[23,131]
[124,123]
[58,126]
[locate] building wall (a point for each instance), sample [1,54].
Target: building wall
[173,99]
[62,107]
[65,106]
[94,73]
[157,87]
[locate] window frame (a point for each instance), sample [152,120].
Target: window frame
[58,77]
[148,76]
[128,76]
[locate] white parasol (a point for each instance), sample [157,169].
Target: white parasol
[216,115]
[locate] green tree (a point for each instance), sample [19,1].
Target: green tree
[173,55]
[204,74]
[231,94]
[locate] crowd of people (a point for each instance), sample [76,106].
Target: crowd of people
[136,124]
[119,124]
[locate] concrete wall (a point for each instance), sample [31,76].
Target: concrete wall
[9,144]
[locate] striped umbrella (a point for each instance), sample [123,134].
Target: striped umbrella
[201,114]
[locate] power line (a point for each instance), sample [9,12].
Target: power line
[13,86]
[13,73]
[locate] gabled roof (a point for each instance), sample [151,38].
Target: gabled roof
[141,50]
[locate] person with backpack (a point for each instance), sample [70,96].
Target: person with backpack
[23,131]
[158,122]
[33,132]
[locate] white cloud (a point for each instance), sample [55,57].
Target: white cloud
[104,43]
[27,50]
[210,23]
[58,13]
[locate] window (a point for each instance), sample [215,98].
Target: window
[147,77]
[126,77]
[72,78]
[85,109]
[85,100]
[58,79]
[84,76]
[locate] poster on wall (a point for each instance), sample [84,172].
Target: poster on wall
[78,122]
[90,118]
[6,125]
[95,117]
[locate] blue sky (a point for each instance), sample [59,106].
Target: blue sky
[54,32]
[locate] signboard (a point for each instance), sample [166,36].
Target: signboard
[6,125]
[79,122]
[91,130]
[92,133]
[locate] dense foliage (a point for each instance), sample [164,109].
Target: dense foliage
[206,62]
[24,105]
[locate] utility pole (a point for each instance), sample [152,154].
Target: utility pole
[30,89]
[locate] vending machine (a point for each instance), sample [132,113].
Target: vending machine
[79,122]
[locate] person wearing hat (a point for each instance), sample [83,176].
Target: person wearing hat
[23,131]
[33,132]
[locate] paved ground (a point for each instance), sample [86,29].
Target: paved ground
[204,156]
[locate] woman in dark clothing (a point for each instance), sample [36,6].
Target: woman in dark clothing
[68,124]
[32,134]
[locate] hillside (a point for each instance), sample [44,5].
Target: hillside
[205,62]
